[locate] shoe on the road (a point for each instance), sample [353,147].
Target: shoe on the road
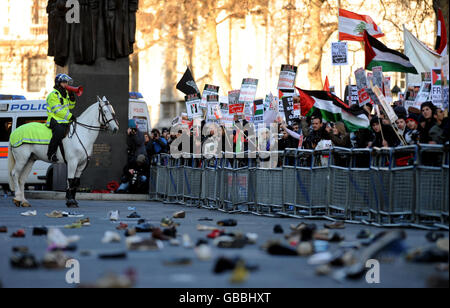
[158,235]
[113,255]
[434,236]
[167,223]
[40,231]
[72,214]
[55,260]
[114,215]
[111,237]
[3,229]
[24,261]
[278,229]
[144,227]
[84,222]
[170,232]
[19,233]
[55,214]
[134,215]
[227,223]
[178,262]
[73,226]
[203,252]
[205,219]
[240,273]
[335,225]
[180,214]
[364,234]
[122,226]
[29,213]
[20,249]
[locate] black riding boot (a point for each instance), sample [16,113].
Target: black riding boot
[70,194]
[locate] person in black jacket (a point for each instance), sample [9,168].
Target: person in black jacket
[428,110]
[385,135]
[135,176]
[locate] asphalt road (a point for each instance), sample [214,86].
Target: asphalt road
[274,272]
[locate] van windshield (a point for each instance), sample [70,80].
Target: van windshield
[5,129]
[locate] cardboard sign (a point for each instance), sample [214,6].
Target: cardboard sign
[362,85]
[235,107]
[445,98]
[426,76]
[208,90]
[436,87]
[378,76]
[287,76]
[193,105]
[213,114]
[387,89]
[387,108]
[351,95]
[339,53]
[258,112]
[288,106]
[247,95]
[424,93]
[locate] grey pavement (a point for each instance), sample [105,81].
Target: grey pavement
[274,272]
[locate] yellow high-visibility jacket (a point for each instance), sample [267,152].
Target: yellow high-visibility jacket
[58,107]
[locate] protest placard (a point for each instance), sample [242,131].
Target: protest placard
[287,76]
[424,94]
[362,85]
[339,53]
[387,89]
[235,107]
[247,95]
[208,90]
[445,98]
[436,87]
[378,76]
[213,114]
[351,94]
[288,106]
[258,112]
[426,76]
[193,105]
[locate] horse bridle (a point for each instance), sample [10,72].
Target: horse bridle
[102,127]
[101,119]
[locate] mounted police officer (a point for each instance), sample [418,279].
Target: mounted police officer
[59,104]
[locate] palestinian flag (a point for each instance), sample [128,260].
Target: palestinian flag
[332,109]
[441,40]
[377,54]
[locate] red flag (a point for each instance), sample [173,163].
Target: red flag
[441,40]
[326,87]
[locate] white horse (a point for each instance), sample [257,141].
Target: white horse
[78,146]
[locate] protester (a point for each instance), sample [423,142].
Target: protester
[385,135]
[135,141]
[338,135]
[428,110]
[157,144]
[317,133]
[439,133]
[287,141]
[412,133]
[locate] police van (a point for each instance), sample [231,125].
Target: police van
[13,114]
[138,110]
[16,111]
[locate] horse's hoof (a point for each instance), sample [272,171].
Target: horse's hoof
[26,204]
[17,202]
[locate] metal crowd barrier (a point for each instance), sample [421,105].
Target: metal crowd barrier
[404,186]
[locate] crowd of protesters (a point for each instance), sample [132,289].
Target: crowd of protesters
[430,125]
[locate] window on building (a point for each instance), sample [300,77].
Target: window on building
[36,74]
[39,13]
[169,110]
[5,129]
